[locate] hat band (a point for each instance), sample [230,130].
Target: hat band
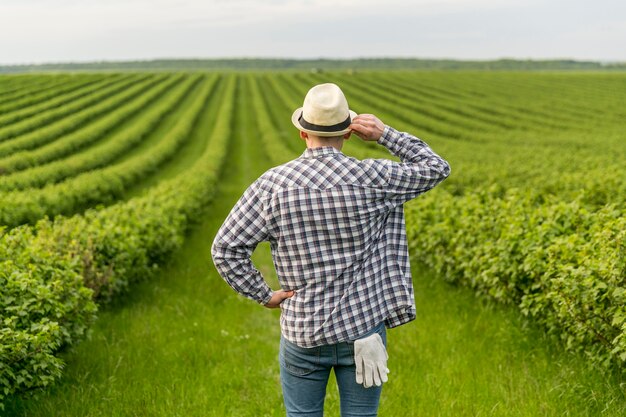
[319,128]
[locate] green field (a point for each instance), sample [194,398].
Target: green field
[114,308]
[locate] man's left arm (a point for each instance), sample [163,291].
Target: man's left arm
[243,229]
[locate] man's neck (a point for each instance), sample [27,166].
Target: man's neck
[313,143]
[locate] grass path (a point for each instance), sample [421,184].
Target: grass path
[184,344]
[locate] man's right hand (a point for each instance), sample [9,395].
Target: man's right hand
[278,297]
[367,127]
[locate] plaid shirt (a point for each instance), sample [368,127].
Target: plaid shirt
[337,235]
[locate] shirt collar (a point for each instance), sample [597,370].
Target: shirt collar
[320,151]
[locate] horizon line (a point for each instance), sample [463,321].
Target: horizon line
[320,58]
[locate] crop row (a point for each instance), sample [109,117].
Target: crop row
[122,107]
[518,99]
[67,125]
[47,93]
[458,116]
[462,93]
[559,262]
[450,128]
[16,87]
[557,249]
[57,107]
[275,149]
[52,275]
[487,109]
[102,154]
[102,185]
[570,89]
[464,108]
[279,109]
[553,97]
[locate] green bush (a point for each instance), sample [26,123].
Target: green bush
[51,273]
[563,263]
[101,154]
[15,150]
[43,304]
[102,185]
[19,122]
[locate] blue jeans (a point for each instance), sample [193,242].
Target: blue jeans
[304,375]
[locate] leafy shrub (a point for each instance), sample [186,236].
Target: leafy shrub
[43,304]
[563,263]
[51,273]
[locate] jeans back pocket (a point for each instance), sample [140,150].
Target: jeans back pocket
[297,360]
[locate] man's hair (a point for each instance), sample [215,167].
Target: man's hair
[329,138]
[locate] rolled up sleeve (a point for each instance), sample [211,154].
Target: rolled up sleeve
[243,229]
[420,170]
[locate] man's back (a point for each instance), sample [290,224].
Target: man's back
[337,234]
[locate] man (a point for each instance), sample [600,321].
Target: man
[337,235]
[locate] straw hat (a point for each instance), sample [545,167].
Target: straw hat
[325,112]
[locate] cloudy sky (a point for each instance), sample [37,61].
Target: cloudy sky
[34,31]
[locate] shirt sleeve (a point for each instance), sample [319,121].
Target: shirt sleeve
[243,229]
[420,170]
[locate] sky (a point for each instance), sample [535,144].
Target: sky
[38,31]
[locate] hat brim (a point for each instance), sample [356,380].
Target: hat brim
[296,115]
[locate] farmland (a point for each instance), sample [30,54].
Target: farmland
[140,168]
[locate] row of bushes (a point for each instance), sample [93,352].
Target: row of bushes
[16,88]
[62,100]
[43,93]
[481,101]
[277,152]
[452,117]
[102,185]
[31,117]
[52,274]
[490,117]
[561,262]
[67,144]
[101,154]
[48,133]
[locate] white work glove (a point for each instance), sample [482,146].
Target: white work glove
[370,357]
